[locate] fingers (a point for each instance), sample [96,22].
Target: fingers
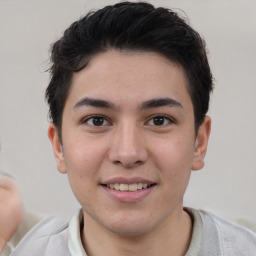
[11,209]
[2,244]
[7,182]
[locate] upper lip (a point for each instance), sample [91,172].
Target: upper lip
[126,180]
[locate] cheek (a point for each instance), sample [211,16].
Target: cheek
[82,157]
[82,165]
[83,160]
[174,159]
[175,154]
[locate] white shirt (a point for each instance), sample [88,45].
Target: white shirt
[211,236]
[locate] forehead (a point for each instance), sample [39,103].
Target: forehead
[122,75]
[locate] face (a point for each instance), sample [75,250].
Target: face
[128,141]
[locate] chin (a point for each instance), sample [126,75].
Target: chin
[129,227]
[129,230]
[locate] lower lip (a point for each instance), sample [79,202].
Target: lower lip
[126,196]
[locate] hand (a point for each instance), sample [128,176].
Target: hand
[11,209]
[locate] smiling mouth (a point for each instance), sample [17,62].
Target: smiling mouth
[128,187]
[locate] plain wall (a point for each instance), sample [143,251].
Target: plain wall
[27,28]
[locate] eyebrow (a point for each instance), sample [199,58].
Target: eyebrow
[160,102]
[153,103]
[98,103]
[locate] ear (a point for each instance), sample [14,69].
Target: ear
[57,148]
[201,143]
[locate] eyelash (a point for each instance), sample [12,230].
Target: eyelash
[104,119]
[86,120]
[164,117]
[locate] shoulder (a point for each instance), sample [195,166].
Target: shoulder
[232,239]
[48,237]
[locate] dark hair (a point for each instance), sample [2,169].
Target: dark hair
[129,26]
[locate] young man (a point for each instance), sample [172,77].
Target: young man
[128,98]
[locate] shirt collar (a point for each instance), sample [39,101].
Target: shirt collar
[74,236]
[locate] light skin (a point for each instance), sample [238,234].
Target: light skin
[11,209]
[129,118]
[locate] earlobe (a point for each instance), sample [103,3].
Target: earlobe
[201,144]
[57,148]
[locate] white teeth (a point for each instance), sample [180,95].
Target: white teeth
[133,187]
[126,187]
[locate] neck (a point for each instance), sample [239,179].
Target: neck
[171,237]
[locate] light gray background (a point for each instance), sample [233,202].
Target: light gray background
[27,28]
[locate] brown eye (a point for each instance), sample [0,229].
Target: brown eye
[96,121]
[160,120]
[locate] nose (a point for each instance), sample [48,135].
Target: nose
[127,147]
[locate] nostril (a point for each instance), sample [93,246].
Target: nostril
[128,164]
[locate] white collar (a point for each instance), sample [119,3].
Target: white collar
[74,237]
